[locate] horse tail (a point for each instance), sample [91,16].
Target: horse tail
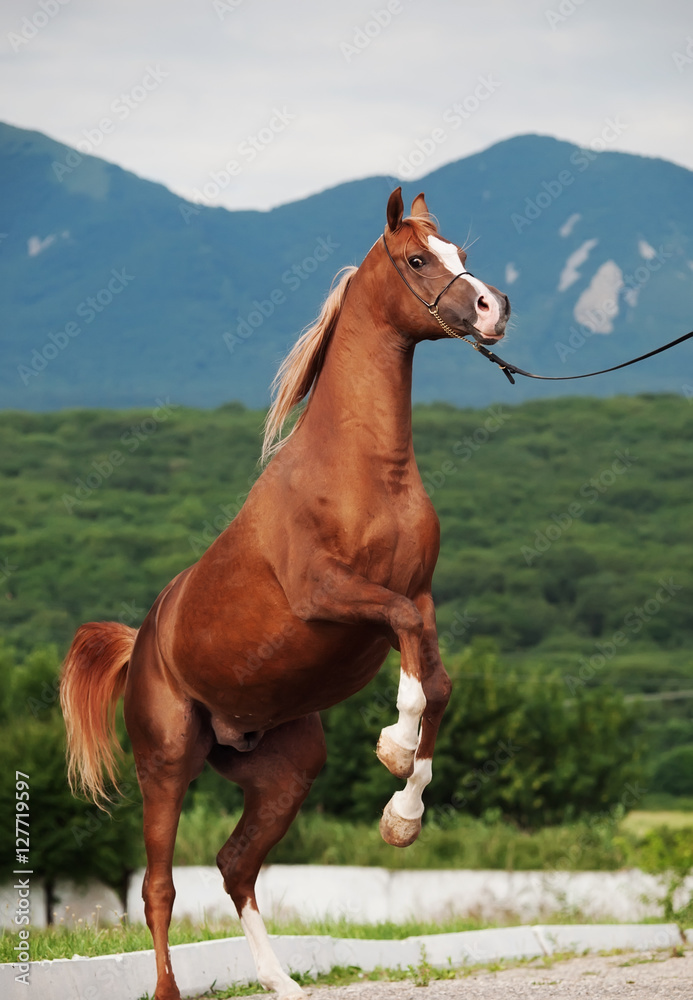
[93,678]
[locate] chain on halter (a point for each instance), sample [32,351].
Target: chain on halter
[448,329]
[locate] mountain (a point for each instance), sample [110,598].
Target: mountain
[115,292]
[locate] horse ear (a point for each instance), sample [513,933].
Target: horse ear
[395,210]
[419,206]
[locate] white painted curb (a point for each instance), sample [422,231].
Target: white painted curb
[227,961]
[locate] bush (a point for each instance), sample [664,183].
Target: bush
[673,772]
[68,837]
[511,744]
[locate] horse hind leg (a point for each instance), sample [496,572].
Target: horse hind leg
[275,778]
[170,743]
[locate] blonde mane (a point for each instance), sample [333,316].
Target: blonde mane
[299,370]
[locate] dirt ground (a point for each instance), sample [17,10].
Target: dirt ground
[632,976]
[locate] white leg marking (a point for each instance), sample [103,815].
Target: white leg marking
[269,971]
[408,803]
[411,702]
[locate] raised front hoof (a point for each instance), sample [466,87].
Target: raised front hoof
[397,831]
[397,760]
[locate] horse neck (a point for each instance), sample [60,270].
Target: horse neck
[361,402]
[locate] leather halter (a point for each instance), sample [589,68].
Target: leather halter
[507,367]
[432,306]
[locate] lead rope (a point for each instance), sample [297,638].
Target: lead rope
[507,367]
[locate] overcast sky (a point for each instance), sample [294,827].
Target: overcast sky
[303,94]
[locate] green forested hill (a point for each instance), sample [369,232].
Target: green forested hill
[560,519]
[566,543]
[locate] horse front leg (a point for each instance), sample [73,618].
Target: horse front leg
[341,595]
[401,821]
[397,743]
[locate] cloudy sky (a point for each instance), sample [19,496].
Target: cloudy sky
[253,103]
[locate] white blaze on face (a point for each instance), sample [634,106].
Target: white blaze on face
[449,256]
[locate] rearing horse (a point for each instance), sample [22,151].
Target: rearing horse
[295,605]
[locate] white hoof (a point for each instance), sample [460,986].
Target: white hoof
[398,760]
[396,830]
[292,994]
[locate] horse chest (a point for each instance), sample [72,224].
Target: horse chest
[396,545]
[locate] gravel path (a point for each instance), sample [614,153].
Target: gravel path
[636,976]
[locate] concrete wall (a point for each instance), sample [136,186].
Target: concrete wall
[225,962]
[368,895]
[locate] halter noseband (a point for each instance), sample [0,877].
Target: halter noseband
[432,306]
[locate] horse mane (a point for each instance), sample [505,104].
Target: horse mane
[299,370]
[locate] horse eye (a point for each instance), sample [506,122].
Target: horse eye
[416,262]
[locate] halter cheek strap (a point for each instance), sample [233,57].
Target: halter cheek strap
[429,305]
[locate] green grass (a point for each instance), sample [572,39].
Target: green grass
[602,843]
[67,939]
[640,822]
[76,938]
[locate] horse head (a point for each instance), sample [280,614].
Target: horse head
[434,270]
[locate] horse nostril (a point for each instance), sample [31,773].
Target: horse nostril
[481,304]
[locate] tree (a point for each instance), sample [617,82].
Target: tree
[510,744]
[69,838]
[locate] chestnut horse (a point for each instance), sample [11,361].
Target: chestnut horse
[295,605]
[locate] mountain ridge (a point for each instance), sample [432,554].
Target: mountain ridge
[195,279]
